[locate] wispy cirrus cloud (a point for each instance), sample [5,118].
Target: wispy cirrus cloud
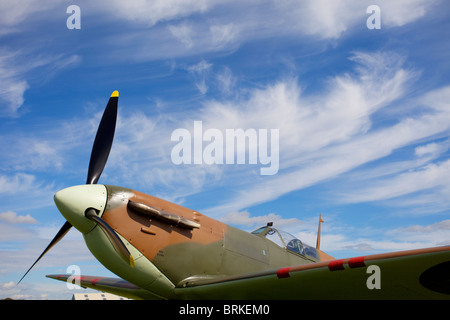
[152,12]
[177,30]
[13,83]
[15,70]
[428,176]
[244,218]
[318,132]
[200,72]
[14,16]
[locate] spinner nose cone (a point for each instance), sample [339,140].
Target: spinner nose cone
[72,203]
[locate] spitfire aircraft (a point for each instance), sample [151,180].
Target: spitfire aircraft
[161,250]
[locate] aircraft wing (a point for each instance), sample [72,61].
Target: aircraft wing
[412,274]
[105,284]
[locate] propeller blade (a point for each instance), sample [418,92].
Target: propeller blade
[103,140]
[61,233]
[117,243]
[99,156]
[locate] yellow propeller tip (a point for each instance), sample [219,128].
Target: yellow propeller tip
[115,94]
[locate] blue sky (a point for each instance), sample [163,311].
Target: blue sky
[363,119]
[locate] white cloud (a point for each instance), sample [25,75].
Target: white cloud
[28,242]
[438,226]
[200,68]
[150,168]
[437,99]
[179,29]
[331,19]
[12,217]
[318,132]
[13,86]
[432,149]
[343,241]
[435,234]
[151,12]
[348,240]
[200,72]
[32,153]
[243,218]
[399,13]
[13,15]
[183,33]
[326,19]
[14,233]
[8,285]
[226,81]
[19,181]
[404,178]
[13,94]
[15,68]
[424,178]
[224,34]
[41,149]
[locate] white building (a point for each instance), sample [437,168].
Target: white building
[97,296]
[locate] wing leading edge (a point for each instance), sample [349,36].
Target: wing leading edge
[115,286]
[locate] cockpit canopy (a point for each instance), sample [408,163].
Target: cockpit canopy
[287,240]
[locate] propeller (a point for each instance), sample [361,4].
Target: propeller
[99,155]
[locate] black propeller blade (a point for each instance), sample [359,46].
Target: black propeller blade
[103,140]
[99,156]
[61,233]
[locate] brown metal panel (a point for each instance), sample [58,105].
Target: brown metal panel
[161,234]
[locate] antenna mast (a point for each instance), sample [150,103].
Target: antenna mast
[318,233]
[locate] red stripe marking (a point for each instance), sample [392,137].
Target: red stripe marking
[94,281]
[356,262]
[283,273]
[77,278]
[336,265]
